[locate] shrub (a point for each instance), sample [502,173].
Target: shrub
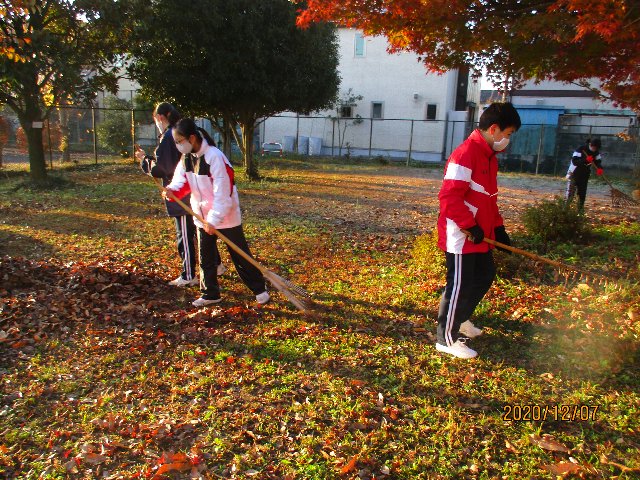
[554,220]
[114,131]
[427,256]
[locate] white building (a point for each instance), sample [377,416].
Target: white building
[403,108]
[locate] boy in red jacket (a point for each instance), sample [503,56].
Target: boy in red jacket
[468,201]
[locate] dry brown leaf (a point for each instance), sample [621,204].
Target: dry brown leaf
[563,468]
[71,466]
[624,468]
[92,458]
[170,467]
[547,442]
[510,447]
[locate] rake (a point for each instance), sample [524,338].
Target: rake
[569,272]
[295,294]
[618,197]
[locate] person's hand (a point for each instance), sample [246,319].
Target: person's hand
[599,171]
[502,237]
[589,159]
[476,234]
[139,153]
[209,229]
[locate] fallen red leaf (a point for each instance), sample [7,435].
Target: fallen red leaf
[349,466]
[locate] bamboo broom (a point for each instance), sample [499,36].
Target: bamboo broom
[295,294]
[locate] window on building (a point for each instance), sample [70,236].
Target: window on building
[346,111]
[376,110]
[359,45]
[432,109]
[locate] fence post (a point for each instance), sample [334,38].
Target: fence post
[133,134]
[333,134]
[540,146]
[95,134]
[295,147]
[444,141]
[49,134]
[370,135]
[410,144]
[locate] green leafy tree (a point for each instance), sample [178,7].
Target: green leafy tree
[114,129]
[239,60]
[50,49]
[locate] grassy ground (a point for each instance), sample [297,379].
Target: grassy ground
[107,372]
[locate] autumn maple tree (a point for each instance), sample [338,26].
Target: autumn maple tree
[595,43]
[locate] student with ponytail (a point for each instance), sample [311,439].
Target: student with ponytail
[206,174]
[162,166]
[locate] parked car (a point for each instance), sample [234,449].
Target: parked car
[271,147]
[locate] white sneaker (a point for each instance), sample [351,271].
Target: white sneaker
[263,297]
[203,302]
[181,282]
[221,269]
[458,349]
[468,329]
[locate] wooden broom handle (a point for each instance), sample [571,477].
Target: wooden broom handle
[222,237]
[520,251]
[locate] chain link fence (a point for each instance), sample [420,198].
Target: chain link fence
[87,135]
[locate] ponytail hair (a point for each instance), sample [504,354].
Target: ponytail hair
[169,111]
[187,127]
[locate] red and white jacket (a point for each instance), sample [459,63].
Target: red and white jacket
[469,196]
[208,176]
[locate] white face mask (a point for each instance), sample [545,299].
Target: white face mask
[184,147]
[501,145]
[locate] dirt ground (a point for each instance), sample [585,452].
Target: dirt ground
[405,201]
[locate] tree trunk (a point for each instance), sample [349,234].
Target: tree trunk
[226,138]
[37,163]
[251,166]
[239,140]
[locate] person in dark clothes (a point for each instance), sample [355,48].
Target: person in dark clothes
[206,174]
[584,158]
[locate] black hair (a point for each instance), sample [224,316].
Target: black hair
[595,142]
[169,111]
[503,114]
[187,127]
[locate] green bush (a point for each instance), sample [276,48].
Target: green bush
[427,256]
[554,220]
[114,131]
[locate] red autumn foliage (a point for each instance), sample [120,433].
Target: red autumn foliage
[49,133]
[567,40]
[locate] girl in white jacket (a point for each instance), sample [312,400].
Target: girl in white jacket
[207,175]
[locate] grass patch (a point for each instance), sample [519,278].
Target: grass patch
[109,372]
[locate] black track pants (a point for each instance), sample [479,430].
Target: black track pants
[209,260]
[469,277]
